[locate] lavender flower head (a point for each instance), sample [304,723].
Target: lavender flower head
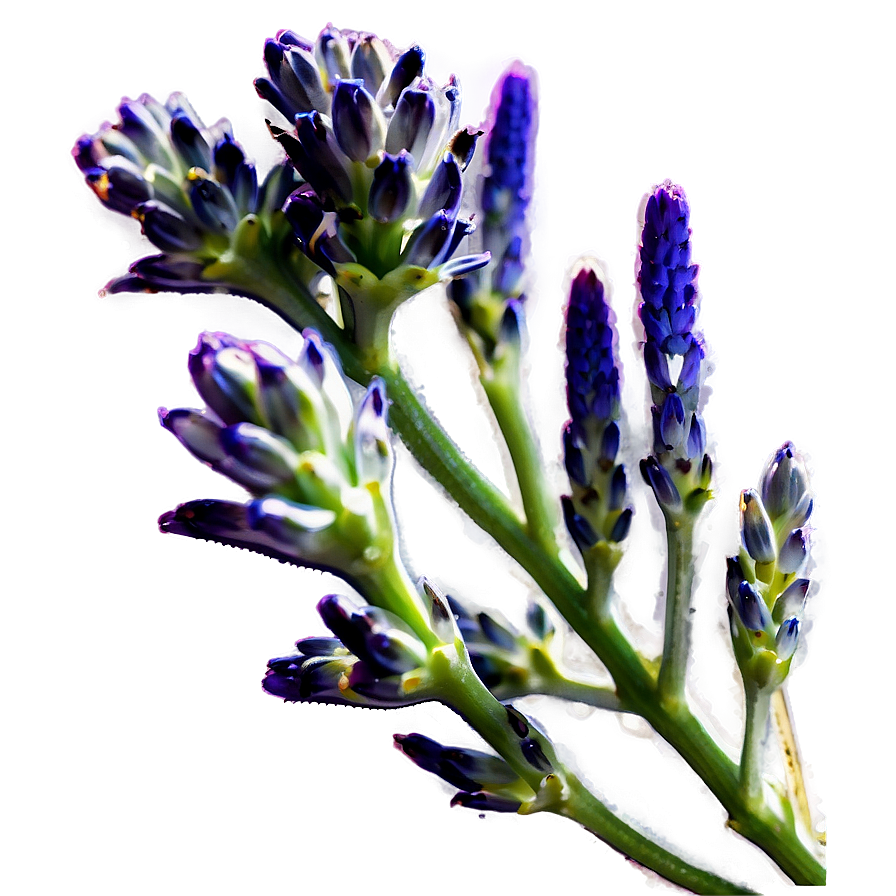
[673,350]
[504,193]
[596,512]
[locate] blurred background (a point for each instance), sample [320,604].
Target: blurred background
[141,755]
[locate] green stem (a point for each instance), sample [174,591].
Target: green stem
[758,702]
[679,585]
[571,799]
[502,391]
[636,686]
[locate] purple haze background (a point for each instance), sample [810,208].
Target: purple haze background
[138,754]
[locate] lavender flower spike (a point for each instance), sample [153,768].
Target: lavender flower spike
[504,194]
[597,512]
[668,285]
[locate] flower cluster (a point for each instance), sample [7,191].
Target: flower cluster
[765,593]
[488,302]
[596,512]
[378,143]
[679,469]
[191,187]
[486,781]
[374,660]
[286,431]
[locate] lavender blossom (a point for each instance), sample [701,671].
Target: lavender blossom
[286,431]
[766,596]
[597,511]
[504,193]
[191,187]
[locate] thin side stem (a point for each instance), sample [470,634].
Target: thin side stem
[679,587]
[752,760]
[539,505]
[563,793]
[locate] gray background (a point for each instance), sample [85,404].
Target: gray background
[141,755]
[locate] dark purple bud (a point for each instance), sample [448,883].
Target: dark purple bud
[511,327]
[573,458]
[411,123]
[333,54]
[534,755]
[672,428]
[270,458]
[370,62]
[191,146]
[579,528]
[609,443]
[486,802]
[121,189]
[787,638]
[517,721]
[234,171]
[733,577]
[622,525]
[316,156]
[465,264]
[300,81]
[198,433]
[756,528]
[792,601]
[752,609]
[696,447]
[213,204]
[164,227]
[444,189]
[392,188]
[357,121]
[659,480]
[785,483]
[793,552]
[317,646]
[618,487]
[224,372]
[408,67]
[429,240]
[689,377]
[657,366]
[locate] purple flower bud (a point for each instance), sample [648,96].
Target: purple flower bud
[618,488]
[573,458]
[622,525]
[358,124]
[164,227]
[792,601]
[444,189]
[579,528]
[392,187]
[793,552]
[411,124]
[752,609]
[785,486]
[787,638]
[672,424]
[486,802]
[696,446]
[659,480]
[429,240]
[188,141]
[756,528]
[408,67]
[213,204]
[370,62]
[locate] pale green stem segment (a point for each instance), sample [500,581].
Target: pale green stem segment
[793,765]
[502,389]
[679,587]
[752,759]
[635,684]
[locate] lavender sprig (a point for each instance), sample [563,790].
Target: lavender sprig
[597,513]
[196,195]
[489,302]
[679,470]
